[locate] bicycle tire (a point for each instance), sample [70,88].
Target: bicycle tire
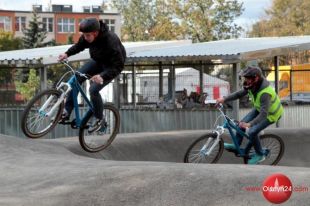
[276,150]
[112,129]
[30,123]
[194,150]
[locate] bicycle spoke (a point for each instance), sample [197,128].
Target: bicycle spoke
[275,146]
[96,141]
[34,124]
[197,152]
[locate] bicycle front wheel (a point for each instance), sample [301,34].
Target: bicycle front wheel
[35,122]
[199,150]
[97,141]
[273,148]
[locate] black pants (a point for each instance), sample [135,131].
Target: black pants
[91,68]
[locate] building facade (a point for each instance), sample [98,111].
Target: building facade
[60,22]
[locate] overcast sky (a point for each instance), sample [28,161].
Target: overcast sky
[254,9]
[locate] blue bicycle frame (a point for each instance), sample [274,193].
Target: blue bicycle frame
[231,126]
[76,88]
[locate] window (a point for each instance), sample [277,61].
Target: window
[20,23]
[65,25]
[111,24]
[48,24]
[5,23]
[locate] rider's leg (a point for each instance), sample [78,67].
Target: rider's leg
[253,134]
[247,118]
[89,68]
[96,100]
[95,97]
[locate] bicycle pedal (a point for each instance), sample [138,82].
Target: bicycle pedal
[65,122]
[238,155]
[231,150]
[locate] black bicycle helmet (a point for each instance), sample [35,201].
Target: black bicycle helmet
[89,25]
[251,72]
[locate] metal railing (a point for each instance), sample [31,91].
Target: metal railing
[142,120]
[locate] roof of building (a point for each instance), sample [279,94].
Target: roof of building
[223,51]
[231,50]
[48,55]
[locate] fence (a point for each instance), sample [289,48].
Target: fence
[154,120]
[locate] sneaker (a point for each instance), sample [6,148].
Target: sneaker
[96,126]
[65,116]
[256,159]
[229,146]
[103,127]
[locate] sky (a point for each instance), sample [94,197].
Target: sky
[254,9]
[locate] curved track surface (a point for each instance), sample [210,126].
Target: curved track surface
[141,169]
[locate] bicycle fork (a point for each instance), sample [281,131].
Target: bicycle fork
[210,144]
[59,101]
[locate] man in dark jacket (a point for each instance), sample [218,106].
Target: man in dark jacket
[267,109]
[107,62]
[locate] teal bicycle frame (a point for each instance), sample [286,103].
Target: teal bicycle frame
[74,86]
[233,129]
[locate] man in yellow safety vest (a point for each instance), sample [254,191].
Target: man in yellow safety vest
[267,109]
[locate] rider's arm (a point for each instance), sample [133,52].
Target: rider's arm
[78,47]
[118,52]
[117,58]
[265,103]
[235,95]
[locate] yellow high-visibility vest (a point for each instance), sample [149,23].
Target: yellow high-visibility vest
[275,109]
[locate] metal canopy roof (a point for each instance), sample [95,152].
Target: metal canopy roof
[49,55]
[229,51]
[224,51]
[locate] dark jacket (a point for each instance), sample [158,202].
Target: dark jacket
[107,50]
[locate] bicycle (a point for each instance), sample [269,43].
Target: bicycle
[209,147]
[44,110]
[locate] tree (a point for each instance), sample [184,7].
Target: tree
[206,20]
[34,34]
[225,14]
[29,88]
[164,27]
[200,20]
[137,20]
[8,42]
[284,18]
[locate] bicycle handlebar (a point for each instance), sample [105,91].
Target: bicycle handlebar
[66,63]
[220,107]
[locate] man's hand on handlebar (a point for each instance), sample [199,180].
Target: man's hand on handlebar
[62,57]
[219,101]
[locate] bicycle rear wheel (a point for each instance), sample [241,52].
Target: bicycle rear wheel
[273,147]
[97,141]
[197,151]
[34,122]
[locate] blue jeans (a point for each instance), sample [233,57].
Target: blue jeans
[254,130]
[90,68]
